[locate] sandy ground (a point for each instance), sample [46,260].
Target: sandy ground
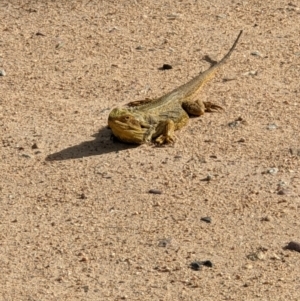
[77,221]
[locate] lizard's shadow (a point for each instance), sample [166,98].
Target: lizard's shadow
[102,144]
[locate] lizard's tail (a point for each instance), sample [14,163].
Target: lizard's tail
[193,87]
[226,57]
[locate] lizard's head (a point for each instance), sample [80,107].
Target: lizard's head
[127,126]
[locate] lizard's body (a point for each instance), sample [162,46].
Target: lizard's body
[156,120]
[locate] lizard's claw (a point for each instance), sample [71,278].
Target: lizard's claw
[210,107]
[162,139]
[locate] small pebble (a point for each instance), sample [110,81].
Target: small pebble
[86,288]
[26,156]
[196,265]
[242,140]
[206,219]
[256,53]
[294,246]
[82,196]
[258,255]
[228,79]
[40,34]
[207,263]
[248,266]
[164,243]
[272,126]
[222,16]
[2,72]
[275,257]
[155,191]
[252,73]
[165,67]
[207,178]
[237,122]
[284,192]
[34,146]
[295,151]
[173,16]
[272,171]
[266,219]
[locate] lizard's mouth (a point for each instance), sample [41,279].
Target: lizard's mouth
[127,128]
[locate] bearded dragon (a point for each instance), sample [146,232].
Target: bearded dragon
[156,120]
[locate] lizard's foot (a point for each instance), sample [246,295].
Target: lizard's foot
[210,107]
[167,129]
[162,139]
[198,107]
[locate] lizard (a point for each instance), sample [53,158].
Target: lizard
[156,120]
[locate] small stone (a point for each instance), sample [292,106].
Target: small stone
[272,171]
[221,16]
[26,156]
[196,265]
[233,124]
[207,263]
[295,151]
[242,140]
[34,146]
[2,72]
[85,288]
[82,196]
[113,29]
[164,242]
[284,192]
[173,16]
[275,257]
[59,44]
[139,48]
[252,73]
[258,255]
[38,33]
[266,218]
[256,53]
[294,246]
[272,126]
[206,219]
[248,266]
[261,255]
[207,178]
[155,191]
[165,67]
[228,79]
[237,122]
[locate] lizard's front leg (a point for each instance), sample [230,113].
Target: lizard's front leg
[199,107]
[165,132]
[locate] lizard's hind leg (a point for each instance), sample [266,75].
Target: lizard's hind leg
[199,107]
[165,131]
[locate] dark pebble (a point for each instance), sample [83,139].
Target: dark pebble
[39,34]
[196,265]
[85,288]
[206,219]
[165,67]
[294,246]
[34,146]
[207,263]
[164,243]
[155,191]
[82,196]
